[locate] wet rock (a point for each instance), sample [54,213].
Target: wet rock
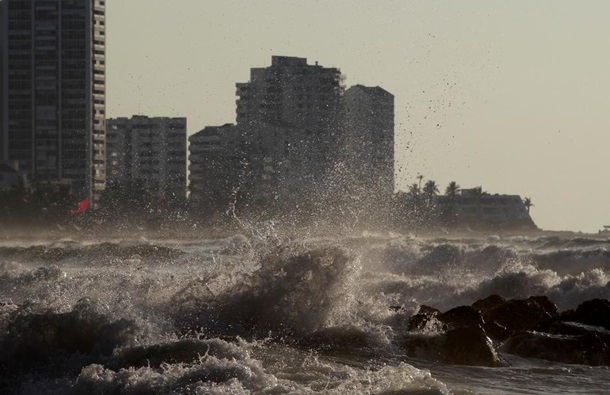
[462,346]
[429,319]
[469,346]
[546,304]
[496,331]
[489,303]
[594,312]
[534,313]
[575,328]
[425,320]
[592,348]
[462,317]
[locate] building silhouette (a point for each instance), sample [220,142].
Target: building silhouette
[215,161]
[300,141]
[368,145]
[281,148]
[289,116]
[150,151]
[53,118]
[291,92]
[476,208]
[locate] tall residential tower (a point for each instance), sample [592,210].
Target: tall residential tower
[53,87]
[288,115]
[149,150]
[368,145]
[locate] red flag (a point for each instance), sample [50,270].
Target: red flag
[82,206]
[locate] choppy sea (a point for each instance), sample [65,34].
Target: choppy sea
[254,315]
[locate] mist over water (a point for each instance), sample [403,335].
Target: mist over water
[260,313]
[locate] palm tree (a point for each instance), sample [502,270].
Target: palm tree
[478,192]
[527,202]
[452,189]
[430,191]
[430,188]
[420,177]
[413,189]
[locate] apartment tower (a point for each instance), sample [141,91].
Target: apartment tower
[53,91]
[288,116]
[368,141]
[148,150]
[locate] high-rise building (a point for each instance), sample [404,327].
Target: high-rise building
[291,92]
[150,150]
[215,162]
[368,140]
[2,92]
[287,108]
[260,164]
[53,87]
[300,140]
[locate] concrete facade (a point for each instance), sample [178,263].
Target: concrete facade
[256,162]
[53,115]
[368,145]
[215,162]
[288,115]
[3,93]
[9,175]
[299,138]
[151,150]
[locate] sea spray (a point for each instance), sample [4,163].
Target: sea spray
[259,312]
[295,291]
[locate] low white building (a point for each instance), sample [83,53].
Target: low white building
[471,206]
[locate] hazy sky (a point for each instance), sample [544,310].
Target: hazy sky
[513,96]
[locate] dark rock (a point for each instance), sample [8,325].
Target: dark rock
[426,319]
[424,345]
[594,312]
[469,346]
[489,303]
[496,331]
[462,317]
[462,346]
[423,309]
[546,304]
[575,328]
[592,348]
[534,313]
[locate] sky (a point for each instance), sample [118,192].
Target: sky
[512,96]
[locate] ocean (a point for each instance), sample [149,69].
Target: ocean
[259,313]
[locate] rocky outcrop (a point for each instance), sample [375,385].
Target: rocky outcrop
[530,328]
[594,312]
[505,317]
[592,348]
[462,346]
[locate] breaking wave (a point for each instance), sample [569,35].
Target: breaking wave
[263,314]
